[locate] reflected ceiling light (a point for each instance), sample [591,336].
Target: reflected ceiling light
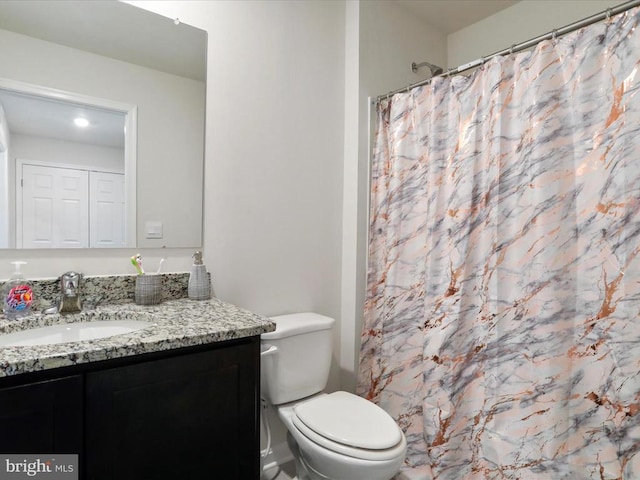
[81,122]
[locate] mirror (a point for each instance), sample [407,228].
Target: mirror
[140,73]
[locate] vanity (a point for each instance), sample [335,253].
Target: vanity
[176,399]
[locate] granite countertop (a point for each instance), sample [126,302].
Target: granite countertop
[174,323]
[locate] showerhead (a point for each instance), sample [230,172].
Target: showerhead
[435,69]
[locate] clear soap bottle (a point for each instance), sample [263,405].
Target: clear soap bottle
[199,285]
[17,294]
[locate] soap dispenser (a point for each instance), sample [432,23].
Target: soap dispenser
[17,294]
[199,284]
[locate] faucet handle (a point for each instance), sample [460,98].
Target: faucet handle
[70,299]
[71,274]
[70,282]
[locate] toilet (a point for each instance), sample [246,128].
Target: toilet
[333,436]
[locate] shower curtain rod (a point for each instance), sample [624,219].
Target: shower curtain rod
[517,47]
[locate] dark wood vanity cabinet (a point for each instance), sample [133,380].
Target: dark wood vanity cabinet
[42,417]
[186,414]
[187,417]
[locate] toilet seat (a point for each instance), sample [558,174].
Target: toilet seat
[349,425]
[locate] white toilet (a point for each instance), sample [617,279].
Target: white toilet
[335,436]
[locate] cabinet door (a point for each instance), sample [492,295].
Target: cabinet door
[43,417]
[187,417]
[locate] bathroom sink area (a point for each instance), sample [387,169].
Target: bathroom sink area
[44,341]
[77,375]
[71,332]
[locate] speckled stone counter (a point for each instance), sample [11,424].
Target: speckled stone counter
[174,323]
[107,289]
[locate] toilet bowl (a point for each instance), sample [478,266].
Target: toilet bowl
[333,436]
[334,449]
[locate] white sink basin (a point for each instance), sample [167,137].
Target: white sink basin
[71,332]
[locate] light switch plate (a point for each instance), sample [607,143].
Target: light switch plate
[153,229]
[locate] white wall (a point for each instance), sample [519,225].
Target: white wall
[273,175]
[518,23]
[390,39]
[41,149]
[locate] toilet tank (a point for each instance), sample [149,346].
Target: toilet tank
[300,365]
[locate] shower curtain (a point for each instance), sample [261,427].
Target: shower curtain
[502,321]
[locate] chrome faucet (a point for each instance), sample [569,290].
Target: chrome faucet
[70,300]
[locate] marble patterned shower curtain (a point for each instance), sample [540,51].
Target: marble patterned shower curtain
[502,323]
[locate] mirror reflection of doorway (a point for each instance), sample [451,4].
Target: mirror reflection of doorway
[64,207]
[43,127]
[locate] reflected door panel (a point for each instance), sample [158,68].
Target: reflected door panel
[54,207]
[107,213]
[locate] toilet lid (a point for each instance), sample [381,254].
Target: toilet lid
[350,420]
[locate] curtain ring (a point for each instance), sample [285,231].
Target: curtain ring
[513,46]
[554,36]
[609,13]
